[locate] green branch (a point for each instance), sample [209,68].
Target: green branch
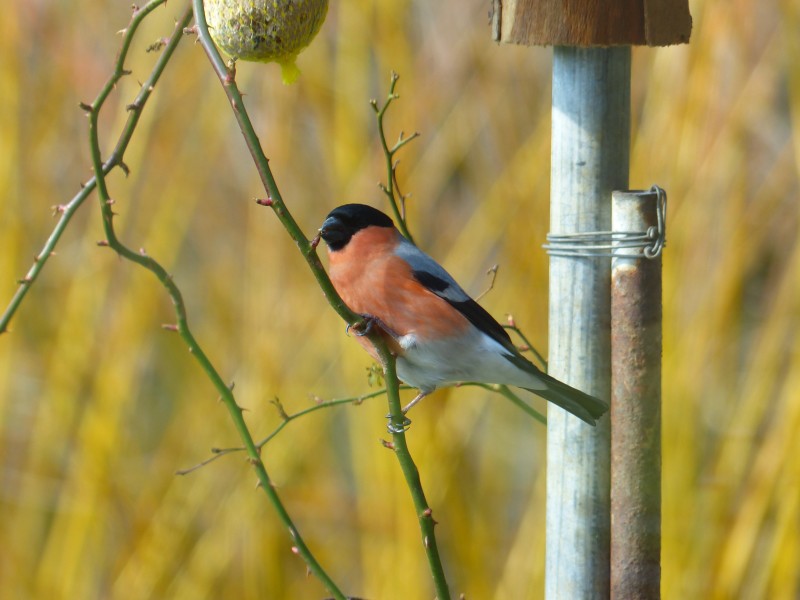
[398,202]
[512,326]
[227,77]
[398,423]
[116,157]
[286,418]
[307,248]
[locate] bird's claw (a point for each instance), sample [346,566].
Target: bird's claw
[361,328]
[398,428]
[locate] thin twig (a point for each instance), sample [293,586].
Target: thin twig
[493,273]
[115,159]
[512,326]
[286,418]
[506,392]
[392,187]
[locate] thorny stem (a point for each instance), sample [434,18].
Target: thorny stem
[286,418]
[182,327]
[506,392]
[308,249]
[115,159]
[398,203]
[411,474]
[512,326]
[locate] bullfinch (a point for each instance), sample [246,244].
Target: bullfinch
[439,334]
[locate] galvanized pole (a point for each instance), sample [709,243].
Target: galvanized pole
[636,404]
[590,156]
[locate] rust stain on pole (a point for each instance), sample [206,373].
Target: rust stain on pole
[635,409]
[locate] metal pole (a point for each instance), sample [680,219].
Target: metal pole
[590,152]
[635,406]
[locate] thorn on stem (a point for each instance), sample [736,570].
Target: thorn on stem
[315,241]
[124,167]
[170,327]
[276,402]
[87,108]
[103,243]
[230,76]
[157,45]
[387,444]
[59,209]
[264,201]
[428,514]
[190,30]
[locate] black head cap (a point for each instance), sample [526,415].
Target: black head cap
[343,222]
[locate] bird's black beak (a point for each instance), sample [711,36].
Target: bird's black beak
[334,234]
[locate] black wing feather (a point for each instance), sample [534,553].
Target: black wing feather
[474,312]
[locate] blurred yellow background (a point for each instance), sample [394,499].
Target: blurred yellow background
[99,406]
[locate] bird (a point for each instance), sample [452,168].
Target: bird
[439,335]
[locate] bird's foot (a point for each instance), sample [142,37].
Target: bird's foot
[365,326]
[361,328]
[398,427]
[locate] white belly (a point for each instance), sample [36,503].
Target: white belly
[472,358]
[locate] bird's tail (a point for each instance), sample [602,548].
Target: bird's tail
[580,404]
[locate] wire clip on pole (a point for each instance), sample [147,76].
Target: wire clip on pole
[609,244]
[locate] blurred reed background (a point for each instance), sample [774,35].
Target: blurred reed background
[99,406]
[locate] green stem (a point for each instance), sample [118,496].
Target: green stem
[308,249]
[114,160]
[424,513]
[530,346]
[228,79]
[504,391]
[398,207]
[217,453]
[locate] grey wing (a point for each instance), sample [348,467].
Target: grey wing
[430,273]
[433,276]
